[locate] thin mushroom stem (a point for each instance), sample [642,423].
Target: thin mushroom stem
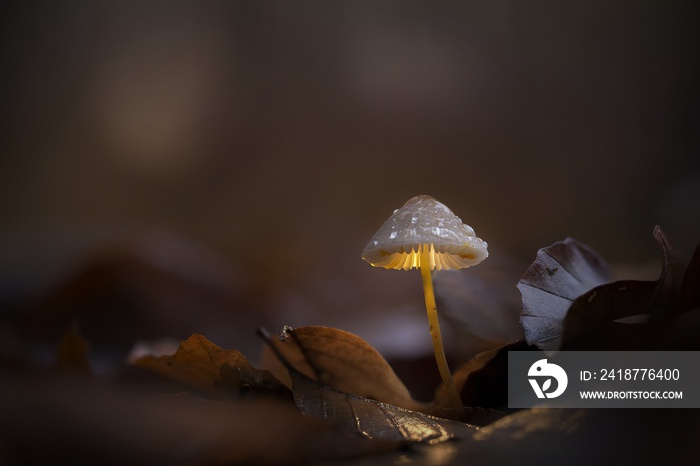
[431,307]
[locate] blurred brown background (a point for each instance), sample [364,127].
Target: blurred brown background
[254,147]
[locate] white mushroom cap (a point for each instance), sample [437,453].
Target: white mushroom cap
[423,225]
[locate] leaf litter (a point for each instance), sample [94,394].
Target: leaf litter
[360,415]
[571,311]
[201,364]
[345,400]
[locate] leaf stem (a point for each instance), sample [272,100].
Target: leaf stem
[431,307]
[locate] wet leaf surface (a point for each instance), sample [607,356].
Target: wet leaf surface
[371,418]
[201,364]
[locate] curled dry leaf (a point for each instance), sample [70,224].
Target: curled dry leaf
[201,364]
[561,273]
[292,354]
[554,318]
[344,361]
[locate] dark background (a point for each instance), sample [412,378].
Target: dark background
[253,148]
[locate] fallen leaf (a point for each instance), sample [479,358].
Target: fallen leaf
[344,361]
[367,417]
[561,273]
[371,418]
[555,437]
[604,304]
[593,320]
[292,354]
[84,421]
[201,364]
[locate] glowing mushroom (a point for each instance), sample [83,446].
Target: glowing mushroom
[425,234]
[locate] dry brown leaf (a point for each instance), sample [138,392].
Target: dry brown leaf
[360,415]
[292,354]
[370,418]
[346,362]
[201,364]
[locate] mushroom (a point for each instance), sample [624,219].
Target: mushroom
[425,234]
